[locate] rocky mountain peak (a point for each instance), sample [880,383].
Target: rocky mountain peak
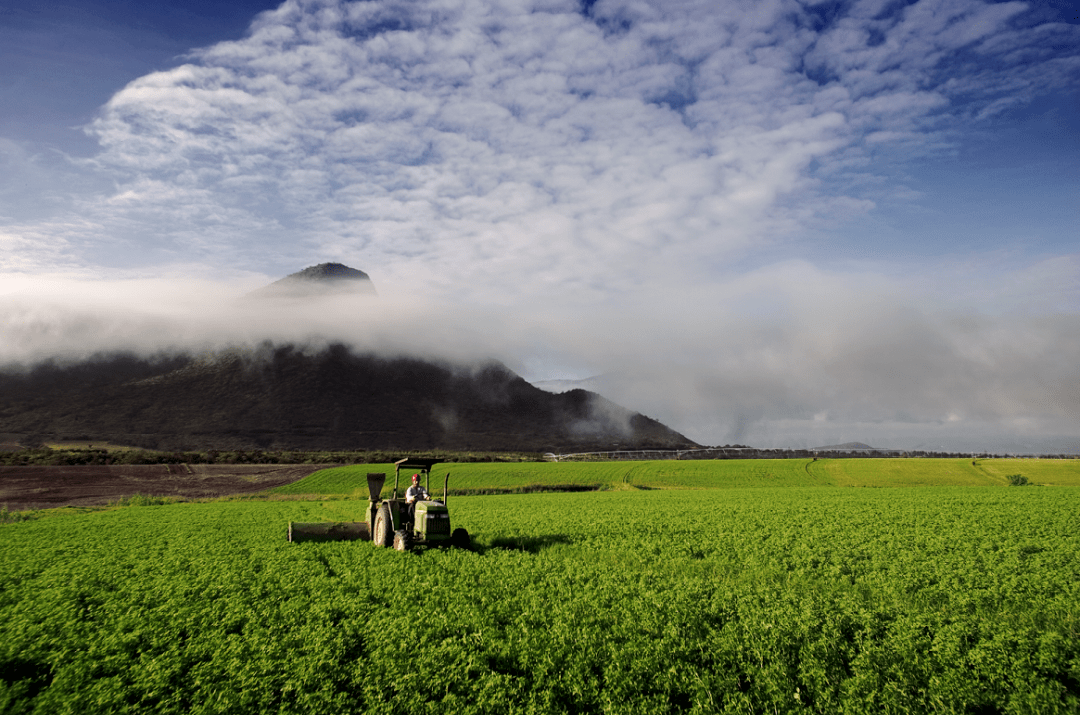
[327,272]
[318,279]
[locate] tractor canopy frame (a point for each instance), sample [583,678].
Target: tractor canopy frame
[421,466]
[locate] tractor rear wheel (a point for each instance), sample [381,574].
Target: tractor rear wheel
[460,538]
[402,540]
[383,533]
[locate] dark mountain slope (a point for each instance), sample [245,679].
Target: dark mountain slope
[281,397]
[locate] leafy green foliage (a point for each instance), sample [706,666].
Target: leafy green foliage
[736,600]
[1017,480]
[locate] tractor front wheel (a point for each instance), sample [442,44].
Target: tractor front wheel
[402,540]
[460,538]
[383,533]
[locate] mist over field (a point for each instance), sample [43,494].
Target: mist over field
[790,356]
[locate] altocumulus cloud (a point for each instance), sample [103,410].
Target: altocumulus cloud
[477,141]
[579,180]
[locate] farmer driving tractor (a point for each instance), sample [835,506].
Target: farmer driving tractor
[414,494]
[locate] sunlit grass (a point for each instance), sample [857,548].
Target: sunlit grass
[705,474]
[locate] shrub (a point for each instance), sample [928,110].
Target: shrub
[143,500]
[7,517]
[1017,480]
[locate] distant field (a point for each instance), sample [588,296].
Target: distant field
[946,472]
[706,474]
[1048,472]
[352,479]
[92,444]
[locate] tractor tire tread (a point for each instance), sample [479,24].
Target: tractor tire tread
[382,533]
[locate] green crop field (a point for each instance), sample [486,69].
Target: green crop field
[750,600]
[706,474]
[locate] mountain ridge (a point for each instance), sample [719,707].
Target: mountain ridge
[285,396]
[282,397]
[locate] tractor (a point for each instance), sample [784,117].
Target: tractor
[430,523]
[387,520]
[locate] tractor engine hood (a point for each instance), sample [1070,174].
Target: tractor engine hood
[433,519]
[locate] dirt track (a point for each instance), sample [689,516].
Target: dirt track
[24,488]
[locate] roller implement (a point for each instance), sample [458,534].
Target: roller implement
[388,521]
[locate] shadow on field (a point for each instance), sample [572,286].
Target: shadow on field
[532,544]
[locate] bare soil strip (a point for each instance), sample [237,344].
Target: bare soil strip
[23,488]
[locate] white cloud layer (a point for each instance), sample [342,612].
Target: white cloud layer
[789,355]
[575,187]
[471,141]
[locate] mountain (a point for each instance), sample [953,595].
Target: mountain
[283,397]
[280,397]
[849,447]
[323,279]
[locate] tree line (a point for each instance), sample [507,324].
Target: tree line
[45,456]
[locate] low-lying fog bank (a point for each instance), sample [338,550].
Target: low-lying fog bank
[824,359]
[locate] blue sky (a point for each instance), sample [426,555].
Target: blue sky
[783,223]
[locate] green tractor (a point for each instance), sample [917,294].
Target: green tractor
[429,523]
[388,521]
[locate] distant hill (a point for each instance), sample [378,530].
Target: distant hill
[849,446]
[325,278]
[280,397]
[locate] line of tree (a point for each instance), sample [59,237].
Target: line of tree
[44,456]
